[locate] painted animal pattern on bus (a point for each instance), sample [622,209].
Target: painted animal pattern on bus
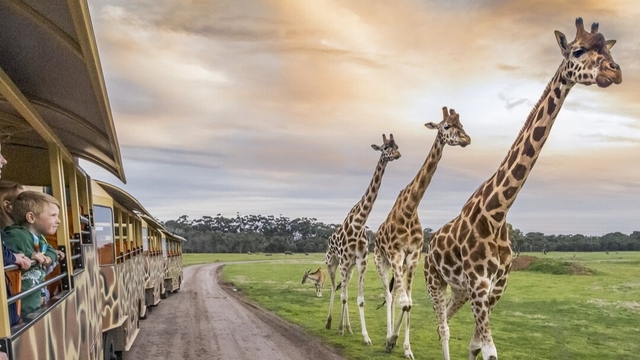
[122,300]
[317,278]
[155,278]
[81,335]
[173,274]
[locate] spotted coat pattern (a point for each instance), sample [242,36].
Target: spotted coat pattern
[348,245]
[472,252]
[399,238]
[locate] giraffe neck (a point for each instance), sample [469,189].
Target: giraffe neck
[501,190]
[360,211]
[417,187]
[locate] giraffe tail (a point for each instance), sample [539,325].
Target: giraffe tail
[391,283]
[339,286]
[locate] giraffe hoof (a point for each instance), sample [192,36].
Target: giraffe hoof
[391,342]
[367,341]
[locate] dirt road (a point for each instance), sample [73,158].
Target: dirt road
[202,321]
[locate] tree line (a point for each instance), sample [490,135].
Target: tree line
[271,234]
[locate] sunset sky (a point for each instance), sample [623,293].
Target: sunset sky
[270,107]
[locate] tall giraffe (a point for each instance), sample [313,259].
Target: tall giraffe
[348,245]
[472,252]
[399,238]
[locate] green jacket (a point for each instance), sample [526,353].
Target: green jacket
[21,240]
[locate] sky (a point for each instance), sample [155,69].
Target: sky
[270,107]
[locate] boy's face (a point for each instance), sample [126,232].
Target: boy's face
[45,223]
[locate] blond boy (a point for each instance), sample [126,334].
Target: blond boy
[36,215]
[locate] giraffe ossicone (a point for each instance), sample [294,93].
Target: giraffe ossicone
[348,245]
[472,253]
[399,238]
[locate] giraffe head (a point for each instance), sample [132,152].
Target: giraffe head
[450,129]
[389,148]
[587,59]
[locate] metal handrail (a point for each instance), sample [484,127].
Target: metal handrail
[23,294]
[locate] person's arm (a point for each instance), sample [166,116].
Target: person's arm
[50,252]
[7,256]
[23,262]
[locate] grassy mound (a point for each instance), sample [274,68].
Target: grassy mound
[550,266]
[522,262]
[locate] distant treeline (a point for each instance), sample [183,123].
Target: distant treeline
[270,234]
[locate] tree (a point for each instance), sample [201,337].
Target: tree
[516,237]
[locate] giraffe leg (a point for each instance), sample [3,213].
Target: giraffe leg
[458,298]
[482,340]
[362,269]
[382,266]
[345,324]
[331,269]
[497,291]
[411,262]
[393,339]
[407,347]
[403,300]
[437,292]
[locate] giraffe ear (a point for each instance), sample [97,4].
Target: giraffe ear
[610,44]
[562,42]
[431,125]
[376,147]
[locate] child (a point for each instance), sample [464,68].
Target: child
[36,215]
[8,191]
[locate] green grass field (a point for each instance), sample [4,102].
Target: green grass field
[541,316]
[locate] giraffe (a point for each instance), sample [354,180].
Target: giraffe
[399,238]
[472,252]
[348,245]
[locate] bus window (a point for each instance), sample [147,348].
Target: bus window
[164,248]
[103,217]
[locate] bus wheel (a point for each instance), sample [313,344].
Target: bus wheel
[109,349]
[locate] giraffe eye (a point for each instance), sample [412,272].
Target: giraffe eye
[447,127]
[578,53]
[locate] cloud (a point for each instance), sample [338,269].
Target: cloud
[271,107]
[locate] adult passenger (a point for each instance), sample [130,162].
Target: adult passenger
[8,256]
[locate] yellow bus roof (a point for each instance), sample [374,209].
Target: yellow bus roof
[124,198]
[52,89]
